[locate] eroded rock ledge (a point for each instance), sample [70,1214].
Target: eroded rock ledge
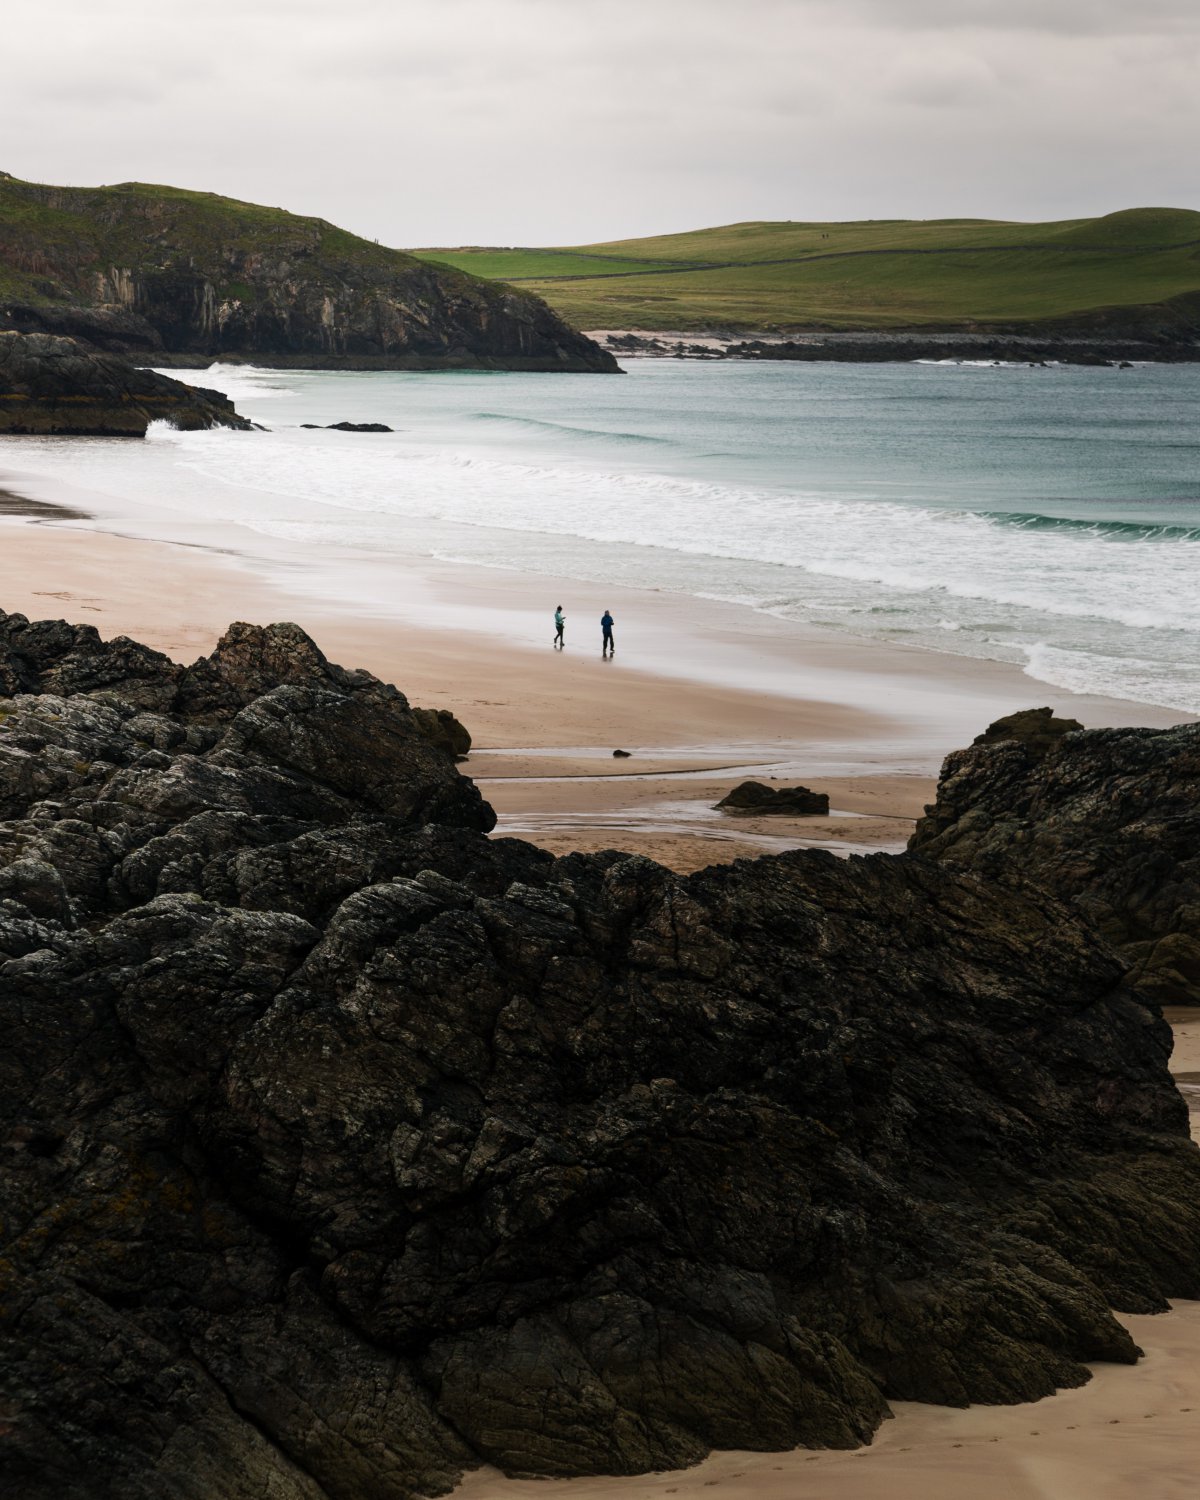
[56,387]
[346,1148]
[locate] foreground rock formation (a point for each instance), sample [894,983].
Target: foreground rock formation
[183,277]
[1108,819]
[57,387]
[346,1148]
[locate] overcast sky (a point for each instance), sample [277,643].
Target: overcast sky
[444,122]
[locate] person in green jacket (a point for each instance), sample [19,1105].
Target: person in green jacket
[560,621]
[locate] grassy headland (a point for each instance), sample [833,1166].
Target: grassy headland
[874,274]
[183,276]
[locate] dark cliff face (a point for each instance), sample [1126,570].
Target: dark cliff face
[346,1148]
[56,386]
[1108,819]
[157,271]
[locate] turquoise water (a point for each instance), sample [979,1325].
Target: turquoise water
[1048,517]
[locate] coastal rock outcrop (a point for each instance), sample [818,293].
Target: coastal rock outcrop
[758,797]
[347,427]
[1108,819]
[346,1148]
[187,277]
[58,387]
[1088,344]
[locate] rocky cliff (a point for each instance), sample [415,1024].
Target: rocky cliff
[1108,819]
[346,1148]
[187,277]
[58,387]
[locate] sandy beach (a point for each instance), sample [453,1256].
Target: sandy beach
[748,697]
[702,694]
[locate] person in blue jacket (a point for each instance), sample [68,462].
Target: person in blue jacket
[606,635]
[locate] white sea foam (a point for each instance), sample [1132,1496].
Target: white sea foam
[1080,573]
[1143,680]
[239,382]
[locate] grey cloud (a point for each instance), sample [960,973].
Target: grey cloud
[86,94]
[1053,17]
[560,121]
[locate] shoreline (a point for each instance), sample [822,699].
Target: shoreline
[881,345]
[702,694]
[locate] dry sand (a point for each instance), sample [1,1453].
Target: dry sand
[868,724]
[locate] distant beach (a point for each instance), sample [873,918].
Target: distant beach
[803,605]
[702,694]
[1044,518]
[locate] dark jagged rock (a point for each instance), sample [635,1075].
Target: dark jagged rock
[57,387]
[757,797]
[187,277]
[1108,819]
[1035,728]
[346,1148]
[50,656]
[347,427]
[441,728]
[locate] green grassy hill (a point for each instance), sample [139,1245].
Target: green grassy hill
[877,274]
[174,274]
[55,235]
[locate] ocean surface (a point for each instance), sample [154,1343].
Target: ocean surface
[1047,517]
